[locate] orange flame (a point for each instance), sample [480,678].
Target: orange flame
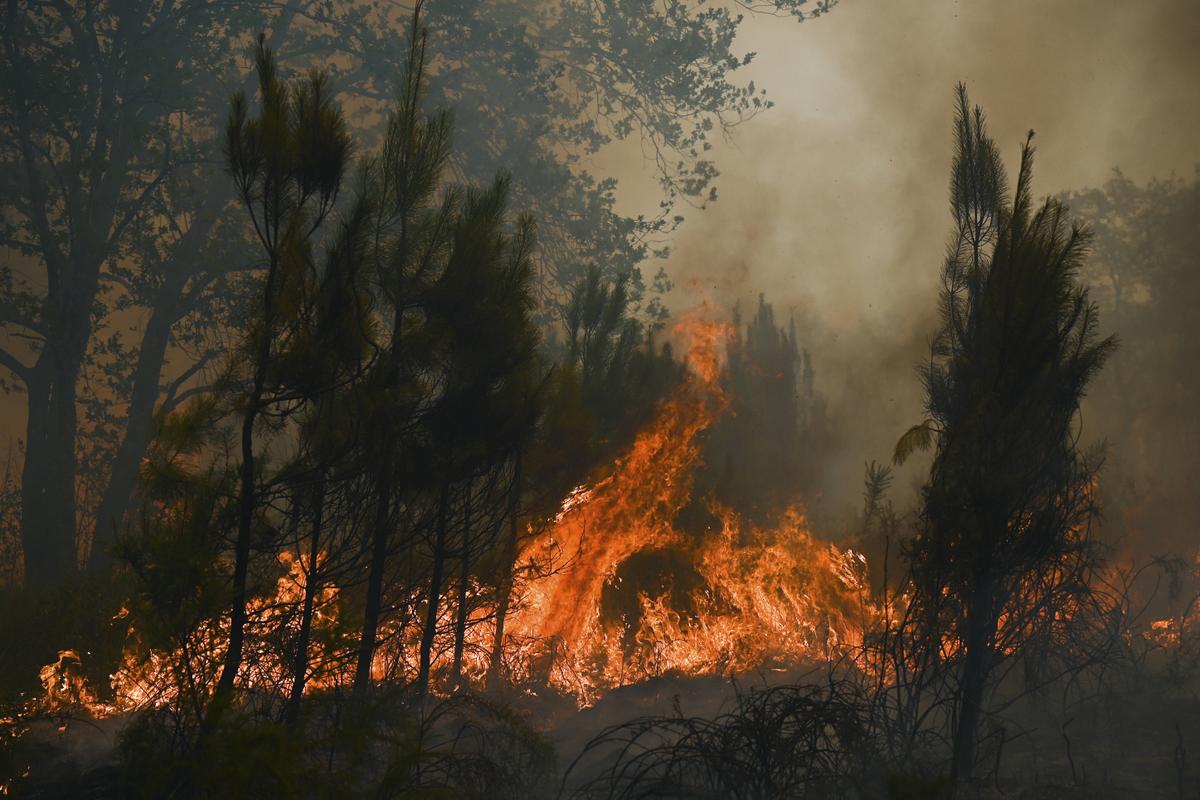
[629,511]
[763,593]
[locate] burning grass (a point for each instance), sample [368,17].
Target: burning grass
[756,595]
[612,591]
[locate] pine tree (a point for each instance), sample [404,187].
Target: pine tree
[454,392]
[412,231]
[1008,504]
[288,164]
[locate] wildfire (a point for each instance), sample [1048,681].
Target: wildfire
[629,511]
[761,594]
[755,596]
[64,683]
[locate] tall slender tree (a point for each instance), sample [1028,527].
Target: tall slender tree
[412,232]
[1008,505]
[288,164]
[481,307]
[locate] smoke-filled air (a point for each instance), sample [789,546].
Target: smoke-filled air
[599,399]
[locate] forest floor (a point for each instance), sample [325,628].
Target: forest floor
[1140,745]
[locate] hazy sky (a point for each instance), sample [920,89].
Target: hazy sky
[838,194]
[834,201]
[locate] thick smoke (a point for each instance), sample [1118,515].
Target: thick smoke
[833,203]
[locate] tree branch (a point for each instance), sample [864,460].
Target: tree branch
[14,365]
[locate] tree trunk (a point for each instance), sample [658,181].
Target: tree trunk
[464,577]
[435,592]
[241,558]
[379,542]
[139,428]
[48,480]
[248,492]
[981,633]
[72,279]
[48,509]
[48,477]
[383,497]
[312,587]
[505,587]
